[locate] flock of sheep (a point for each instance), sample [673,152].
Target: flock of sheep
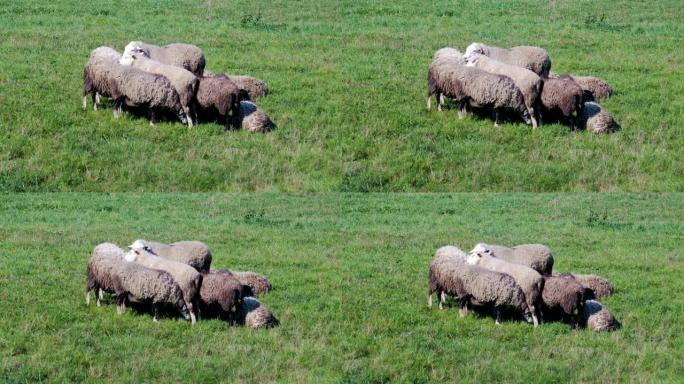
[173,78]
[177,274]
[522,279]
[518,81]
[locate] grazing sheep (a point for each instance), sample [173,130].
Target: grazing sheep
[99,53]
[535,59]
[185,56]
[109,271]
[444,254]
[221,291]
[182,80]
[473,284]
[257,283]
[535,256]
[187,277]
[560,97]
[218,97]
[256,315]
[597,286]
[527,81]
[193,253]
[531,282]
[451,54]
[593,88]
[254,119]
[474,87]
[597,318]
[563,295]
[254,87]
[596,119]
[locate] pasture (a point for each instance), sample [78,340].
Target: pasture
[348,84]
[350,281]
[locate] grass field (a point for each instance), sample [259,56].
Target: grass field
[348,82]
[350,278]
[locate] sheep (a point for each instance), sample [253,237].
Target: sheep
[596,119]
[221,290]
[187,277]
[99,53]
[563,295]
[219,97]
[255,314]
[185,56]
[595,286]
[535,59]
[445,253]
[535,256]
[449,52]
[125,84]
[109,271]
[182,80]
[529,83]
[531,282]
[593,88]
[254,119]
[597,318]
[474,87]
[560,97]
[477,285]
[254,87]
[193,253]
[257,283]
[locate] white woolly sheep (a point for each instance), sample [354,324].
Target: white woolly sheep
[109,271]
[193,253]
[254,119]
[563,295]
[187,277]
[597,318]
[455,56]
[447,253]
[221,291]
[99,53]
[560,98]
[535,59]
[531,282]
[473,284]
[596,119]
[257,283]
[529,83]
[474,87]
[185,56]
[256,315]
[535,256]
[182,80]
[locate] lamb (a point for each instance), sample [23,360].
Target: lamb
[219,97]
[256,315]
[596,119]
[109,271]
[99,53]
[221,290]
[125,84]
[187,277]
[185,56]
[527,278]
[596,286]
[474,284]
[560,97]
[257,283]
[193,253]
[535,59]
[527,81]
[254,119]
[563,295]
[182,80]
[597,318]
[474,87]
[535,256]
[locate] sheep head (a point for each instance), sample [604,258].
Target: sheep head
[478,253]
[475,48]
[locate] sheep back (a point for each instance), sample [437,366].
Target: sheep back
[256,315]
[535,59]
[527,278]
[598,285]
[182,80]
[594,89]
[254,87]
[193,253]
[253,118]
[528,82]
[597,318]
[596,119]
[535,256]
[185,56]
[257,283]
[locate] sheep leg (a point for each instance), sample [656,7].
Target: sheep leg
[191,309]
[497,313]
[150,113]
[463,307]
[462,110]
[442,100]
[533,311]
[428,99]
[88,297]
[85,102]
[496,118]
[154,313]
[120,304]
[99,296]
[186,110]
[534,120]
[429,300]
[442,299]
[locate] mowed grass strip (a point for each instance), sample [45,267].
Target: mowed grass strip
[350,282]
[348,85]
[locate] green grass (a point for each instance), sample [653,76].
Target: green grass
[350,277]
[348,82]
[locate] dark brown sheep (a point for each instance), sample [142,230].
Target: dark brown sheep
[560,98]
[221,292]
[219,98]
[563,296]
